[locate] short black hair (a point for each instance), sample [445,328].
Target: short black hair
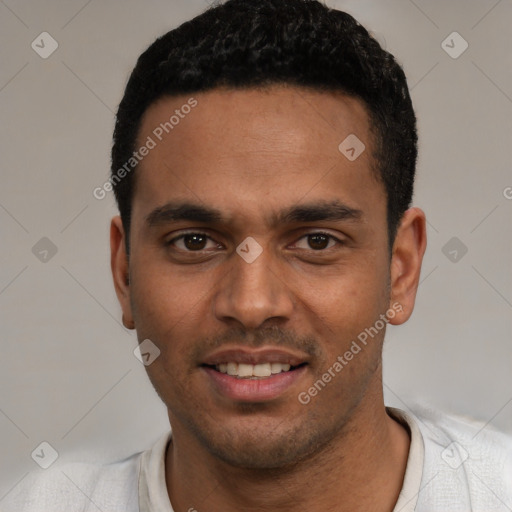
[247,43]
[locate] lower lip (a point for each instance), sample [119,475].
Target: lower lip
[254,390]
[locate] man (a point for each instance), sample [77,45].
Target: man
[263,164]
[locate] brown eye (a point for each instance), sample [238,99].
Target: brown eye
[192,242]
[318,241]
[195,242]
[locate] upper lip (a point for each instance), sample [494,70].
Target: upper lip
[254,356]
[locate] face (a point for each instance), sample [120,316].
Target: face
[257,248]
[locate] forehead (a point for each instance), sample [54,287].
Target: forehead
[274,114]
[245,146]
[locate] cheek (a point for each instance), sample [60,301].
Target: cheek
[168,310]
[162,295]
[346,290]
[342,305]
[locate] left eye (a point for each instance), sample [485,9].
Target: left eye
[192,242]
[318,241]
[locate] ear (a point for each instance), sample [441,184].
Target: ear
[120,270]
[408,250]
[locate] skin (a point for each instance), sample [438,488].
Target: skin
[250,154]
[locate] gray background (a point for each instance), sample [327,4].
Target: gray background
[68,374]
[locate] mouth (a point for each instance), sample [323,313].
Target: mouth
[253,376]
[253,371]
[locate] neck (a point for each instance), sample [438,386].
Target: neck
[362,469]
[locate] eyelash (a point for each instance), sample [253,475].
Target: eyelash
[183,235]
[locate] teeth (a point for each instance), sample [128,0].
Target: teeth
[247,371]
[262,370]
[278,367]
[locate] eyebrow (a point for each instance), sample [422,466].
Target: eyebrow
[174,212]
[319,211]
[309,212]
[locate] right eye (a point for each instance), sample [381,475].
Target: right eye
[192,242]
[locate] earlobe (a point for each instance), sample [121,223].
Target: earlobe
[120,270]
[128,323]
[408,250]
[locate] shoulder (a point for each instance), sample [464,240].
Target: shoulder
[477,436]
[465,461]
[78,487]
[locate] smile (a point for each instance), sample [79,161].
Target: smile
[253,371]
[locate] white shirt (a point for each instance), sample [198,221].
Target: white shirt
[454,465]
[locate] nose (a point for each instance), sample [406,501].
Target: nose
[251,293]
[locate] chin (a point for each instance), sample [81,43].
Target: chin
[256,458]
[265,448]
